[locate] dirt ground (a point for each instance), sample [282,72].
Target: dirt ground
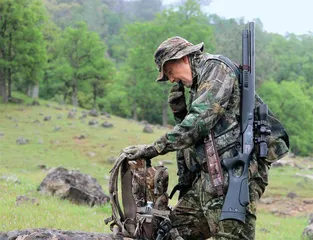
[286,207]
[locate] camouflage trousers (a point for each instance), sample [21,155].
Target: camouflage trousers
[197,213]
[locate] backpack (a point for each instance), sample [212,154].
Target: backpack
[145,212]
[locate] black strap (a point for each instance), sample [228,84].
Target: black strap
[231,64]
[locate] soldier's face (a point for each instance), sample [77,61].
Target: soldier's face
[178,70]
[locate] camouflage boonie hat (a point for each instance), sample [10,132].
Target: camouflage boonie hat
[173,48]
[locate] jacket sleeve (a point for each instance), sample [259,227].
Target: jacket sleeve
[216,82]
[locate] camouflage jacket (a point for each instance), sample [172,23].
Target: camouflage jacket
[214,104]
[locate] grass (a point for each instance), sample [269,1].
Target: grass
[61,148]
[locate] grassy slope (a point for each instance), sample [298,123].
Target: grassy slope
[61,148]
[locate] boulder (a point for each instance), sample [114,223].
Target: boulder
[147,129]
[107,125]
[77,187]
[92,122]
[22,141]
[93,113]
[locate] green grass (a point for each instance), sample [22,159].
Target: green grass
[61,148]
[270,227]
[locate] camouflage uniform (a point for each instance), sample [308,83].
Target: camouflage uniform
[214,104]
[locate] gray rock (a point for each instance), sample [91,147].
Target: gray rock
[55,234]
[24,199]
[22,141]
[84,115]
[47,118]
[292,195]
[107,125]
[93,113]
[71,115]
[57,128]
[77,187]
[13,179]
[147,129]
[93,122]
[35,103]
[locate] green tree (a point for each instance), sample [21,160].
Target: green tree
[23,54]
[81,61]
[294,108]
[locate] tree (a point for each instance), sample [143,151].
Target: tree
[81,60]
[22,47]
[294,109]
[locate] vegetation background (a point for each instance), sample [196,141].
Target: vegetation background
[86,54]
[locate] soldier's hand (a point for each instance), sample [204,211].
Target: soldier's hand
[140,152]
[177,101]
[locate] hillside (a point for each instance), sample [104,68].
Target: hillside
[57,142]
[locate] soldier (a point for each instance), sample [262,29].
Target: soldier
[213,108]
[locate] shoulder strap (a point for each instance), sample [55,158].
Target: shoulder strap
[124,220]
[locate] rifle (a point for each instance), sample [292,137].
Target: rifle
[252,132]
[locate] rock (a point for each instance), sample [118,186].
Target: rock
[107,125]
[266,200]
[80,137]
[283,163]
[292,195]
[13,179]
[24,199]
[84,115]
[310,201]
[91,154]
[264,230]
[77,187]
[147,129]
[57,128]
[52,234]
[42,166]
[36,121]
[71,115]
[22,141]
[93,122]
[35,103]
[47,118]
[93,113]
[165,162]
[1,134]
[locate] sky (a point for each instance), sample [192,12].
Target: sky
[277,16]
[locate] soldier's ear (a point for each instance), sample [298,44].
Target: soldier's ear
[185,59]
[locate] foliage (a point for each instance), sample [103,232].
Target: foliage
[80,60]
[23,54]
[294,108]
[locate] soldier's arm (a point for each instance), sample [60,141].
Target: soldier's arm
[215,91]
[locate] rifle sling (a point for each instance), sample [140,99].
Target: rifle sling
[213,164]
